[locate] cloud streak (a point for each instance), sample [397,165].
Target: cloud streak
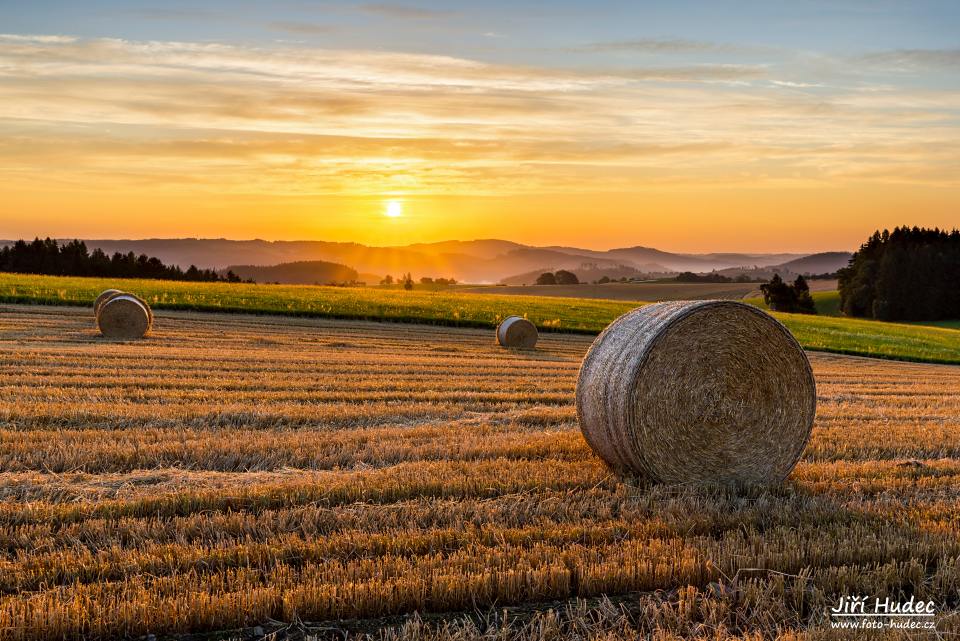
[662,46]
[302,120]
[913,59]
[405,12]
[301,28]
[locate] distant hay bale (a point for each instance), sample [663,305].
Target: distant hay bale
[697,392]
[102,298]
[124,317]
[516,331]
[115,293]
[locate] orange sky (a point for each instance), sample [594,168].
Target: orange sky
[106,137]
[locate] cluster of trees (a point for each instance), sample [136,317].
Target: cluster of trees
[795,298]
[74,259]
[404,279]
[690,277]
[407,281]
[906,274]
[559,277]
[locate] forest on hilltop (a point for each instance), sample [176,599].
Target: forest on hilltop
[908,274]
[74,259]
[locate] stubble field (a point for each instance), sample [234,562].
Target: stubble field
[230,470]
[853,336]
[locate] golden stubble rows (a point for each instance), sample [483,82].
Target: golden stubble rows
[230,469]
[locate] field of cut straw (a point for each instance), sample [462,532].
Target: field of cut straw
[232,471]
[457,309]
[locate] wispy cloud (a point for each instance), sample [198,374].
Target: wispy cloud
[171,13]
[662,46]
[650,45]
[698,73]
[39,39]
[796,85]
[912,59]
[403,11]
[301,28]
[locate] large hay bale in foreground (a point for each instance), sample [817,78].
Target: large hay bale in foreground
[698,392]
[124,317]
[102,298]
[516,331]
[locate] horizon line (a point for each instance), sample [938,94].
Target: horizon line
[438,242]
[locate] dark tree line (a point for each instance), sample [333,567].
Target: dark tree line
[690,277]
[560,277]
[781,297]
[906,274]
[74,259]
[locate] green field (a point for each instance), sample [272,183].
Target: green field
[823,333]
[827,303]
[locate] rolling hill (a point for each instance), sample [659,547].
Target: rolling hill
[474,261]
[307,272]
[823,263]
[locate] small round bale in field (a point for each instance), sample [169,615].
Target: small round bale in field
[697,392]
[124,317]
[516,331]
[102,298]
[137,298]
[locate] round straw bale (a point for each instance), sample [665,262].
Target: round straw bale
[124,317]
[516,331]
[135,297]
[101,299]
[697,392]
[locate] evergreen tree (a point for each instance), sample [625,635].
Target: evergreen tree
[804,301]
[73,259]
[906,274]
[781,297]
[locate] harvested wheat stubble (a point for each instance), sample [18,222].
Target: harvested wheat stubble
[124,316]
[102,298]
[516,331]
[697,392]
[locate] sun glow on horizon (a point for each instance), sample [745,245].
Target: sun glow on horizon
[393,209]
[681,143]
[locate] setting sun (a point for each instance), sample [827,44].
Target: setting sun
[393,209]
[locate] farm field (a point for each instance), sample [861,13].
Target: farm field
[577,315]
[652,291]
[626,291]
[827,303]
[230,470]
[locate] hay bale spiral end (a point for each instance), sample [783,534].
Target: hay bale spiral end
[517,332]
[124,316]
[697,392]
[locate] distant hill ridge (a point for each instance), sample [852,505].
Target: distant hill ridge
[822,263]
[305,272]
[474,261]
